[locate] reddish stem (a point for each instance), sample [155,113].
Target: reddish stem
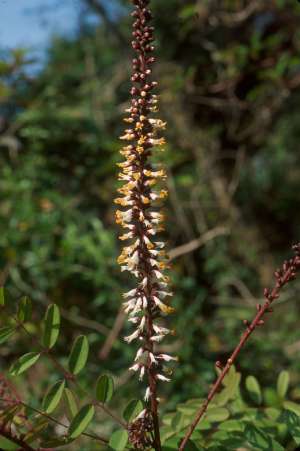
[283,276]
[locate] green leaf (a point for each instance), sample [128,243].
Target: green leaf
[232,382]
[283,384]
[24,310]
[104,388]
[81,421]
[79,354]
[71,402]
[118,440]
[187,12]
[292,420]
[217,414]
[24,363]
[6,333]
[132,410]
[232,425]
[8,415]
[35,432]
[289,405]
[257,438]
[7,445]
[51,326]
[260,440]
[254,390]
[2,296]
[53,396]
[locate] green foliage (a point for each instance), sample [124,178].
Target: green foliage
[24,310]
[229,85]
[24,363]
[104,388]
[71,402]
[6,333]
[118,440]
[53,396]
[51,326]
[81,421]
[79,354]
[2,296]
[254,389]
[283,383]
[240,424]
[132,410]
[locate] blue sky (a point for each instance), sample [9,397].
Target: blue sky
[30,23]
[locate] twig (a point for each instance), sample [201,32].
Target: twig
[113,335]
[198,242]
[54,420]
[283,276]
[18,441]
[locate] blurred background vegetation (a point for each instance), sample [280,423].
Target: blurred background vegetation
[229,74]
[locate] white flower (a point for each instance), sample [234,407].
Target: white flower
[164,294]
[130,293]
[147,394]
[135,367]
[152,359]
[141,415]
[142,373]
[132,337]
[166,357]
[139,354]
[157,338]
[144,282]
[142,323]
[145,302]
[161,330]
[162,378]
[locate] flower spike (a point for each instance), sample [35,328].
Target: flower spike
[141,215]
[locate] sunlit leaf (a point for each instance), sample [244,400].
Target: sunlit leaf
[118,440]
[71,402]
[290,405]
[7,445]
[24,363]
[104,388]
[292,420]
[254,390]
[260,440]
[283,383]
[24,309]
[53,396]
[81,421]
[79,354]
[2,297]
[51,326]
[217,414]
[6,333]
[132,410]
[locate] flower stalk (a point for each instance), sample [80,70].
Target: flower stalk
[142,219]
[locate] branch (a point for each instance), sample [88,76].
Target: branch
[101,11]
[23,445]
[113,335]
[198,242]
[283,276]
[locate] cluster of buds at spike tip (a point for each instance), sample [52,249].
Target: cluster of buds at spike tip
[141,217]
